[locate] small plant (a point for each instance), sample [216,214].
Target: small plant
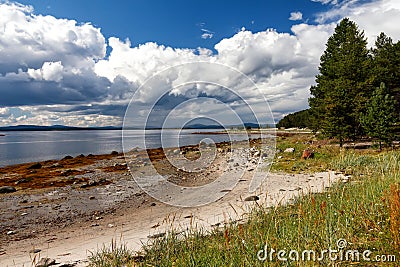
[113,256]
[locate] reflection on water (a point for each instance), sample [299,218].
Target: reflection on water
[28,146]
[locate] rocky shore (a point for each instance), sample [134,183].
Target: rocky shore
[64,209]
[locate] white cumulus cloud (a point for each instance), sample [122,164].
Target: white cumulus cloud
[56,70]
[296,16]
[50,71]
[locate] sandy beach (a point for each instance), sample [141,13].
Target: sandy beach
[65,209]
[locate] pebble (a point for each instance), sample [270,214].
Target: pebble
[11,233]
[92,197]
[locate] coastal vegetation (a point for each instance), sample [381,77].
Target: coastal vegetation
[357,90]
[356,96]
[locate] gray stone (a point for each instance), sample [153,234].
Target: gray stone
[45,262]
[289,150]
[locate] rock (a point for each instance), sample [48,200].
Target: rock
[67,172]
[56,165]
[68,157]
[67,265]
[45,262]
[250,169]
[156,235]
[11,233]
[203,144]
[35,166]
[257,154]
[252,198]
[307,154]
[7,189]
[289,150]
[36,250]
[80,156]
[114,153]
[92,197]
[20,181]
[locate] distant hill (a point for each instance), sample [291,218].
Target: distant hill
[54,128]
[73,128]
[215,126]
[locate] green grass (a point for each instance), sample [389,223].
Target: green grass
[292,163]
[112,256]
[365,212]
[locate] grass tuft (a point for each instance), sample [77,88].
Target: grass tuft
[115,255]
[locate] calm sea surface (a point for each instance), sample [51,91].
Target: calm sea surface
[28,146]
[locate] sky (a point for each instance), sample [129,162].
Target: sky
[81,63]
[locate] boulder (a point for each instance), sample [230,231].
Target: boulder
[289,150]
[44,262]
[307,154]
[7,189]
[35,166]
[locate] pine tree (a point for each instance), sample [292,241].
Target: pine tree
[380,116]
[386,65]
[342,85]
